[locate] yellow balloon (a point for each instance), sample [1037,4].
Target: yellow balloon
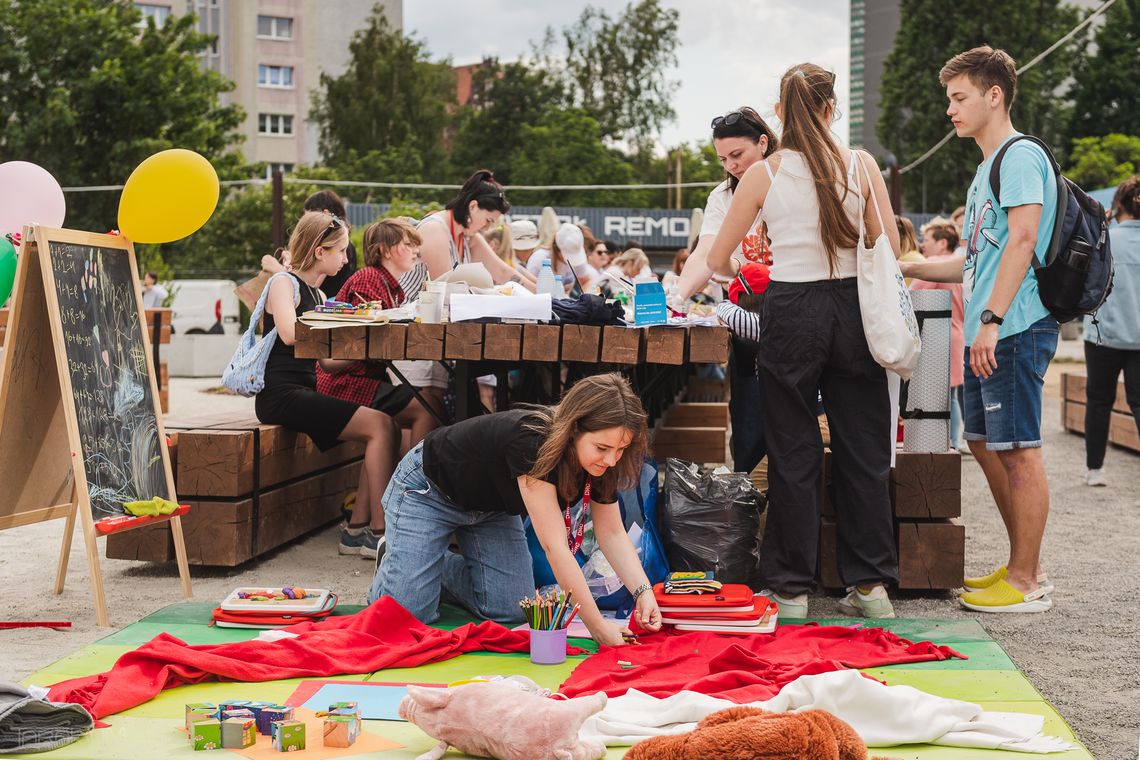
[167,197]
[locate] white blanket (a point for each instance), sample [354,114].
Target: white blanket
[883,716]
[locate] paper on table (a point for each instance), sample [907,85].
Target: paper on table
[466,306]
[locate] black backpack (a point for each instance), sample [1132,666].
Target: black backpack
[1077,275]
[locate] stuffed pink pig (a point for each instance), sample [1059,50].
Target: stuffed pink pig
[498,719]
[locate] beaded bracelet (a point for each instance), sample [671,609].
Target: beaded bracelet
[640,590]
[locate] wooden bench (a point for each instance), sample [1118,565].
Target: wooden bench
[252,488]
[926,499]
[1121,427]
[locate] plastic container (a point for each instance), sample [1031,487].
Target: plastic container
[546,283]
[548,647]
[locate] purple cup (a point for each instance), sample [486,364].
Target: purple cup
[548,647]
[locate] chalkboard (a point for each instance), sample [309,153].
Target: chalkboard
[106,359]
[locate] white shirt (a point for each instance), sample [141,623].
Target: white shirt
[716,208]
[153,298]
[792,213]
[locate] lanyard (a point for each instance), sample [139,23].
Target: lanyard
[460,250]
[574,537]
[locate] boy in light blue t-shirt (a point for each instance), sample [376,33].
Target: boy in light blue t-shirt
[1010,335]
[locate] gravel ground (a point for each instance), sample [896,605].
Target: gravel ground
[1082,655]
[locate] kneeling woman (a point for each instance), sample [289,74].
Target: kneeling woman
[478,478]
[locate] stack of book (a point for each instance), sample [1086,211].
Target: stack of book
[702,604]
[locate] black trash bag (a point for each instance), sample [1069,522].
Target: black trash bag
[710,522]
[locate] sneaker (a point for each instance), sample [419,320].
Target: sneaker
[381,547]
[360,541]
[1003,598]
[875,604]
[985,581]
[791,607]
[1096,478]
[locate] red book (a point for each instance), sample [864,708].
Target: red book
[761,606]
[733,597]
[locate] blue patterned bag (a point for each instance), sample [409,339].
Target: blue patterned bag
[245,374]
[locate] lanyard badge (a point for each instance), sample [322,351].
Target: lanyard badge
[574,537]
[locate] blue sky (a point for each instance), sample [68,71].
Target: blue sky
[732,51]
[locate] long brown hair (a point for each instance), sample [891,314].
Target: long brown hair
[316,229]
[599,402]
[806,93]
[1127,198]
[908,241]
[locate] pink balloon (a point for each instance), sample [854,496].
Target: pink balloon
[29,195]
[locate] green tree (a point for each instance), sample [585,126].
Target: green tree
[617,69]
[698,164]
[88,96]
[1097,162]
[913,114]
[391,100]
[565,148]
[488,129]
[1106,89]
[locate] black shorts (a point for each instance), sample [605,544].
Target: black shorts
[301,408]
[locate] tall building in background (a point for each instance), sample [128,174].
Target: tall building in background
[275,52]
[874,24]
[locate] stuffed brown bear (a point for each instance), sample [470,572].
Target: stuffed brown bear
[749,733]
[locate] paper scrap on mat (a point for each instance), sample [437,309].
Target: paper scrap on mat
[375,701]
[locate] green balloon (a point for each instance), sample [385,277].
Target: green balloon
[7,269]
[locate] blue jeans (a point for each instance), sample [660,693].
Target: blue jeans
[955,415]
[488,577]
[1004,409]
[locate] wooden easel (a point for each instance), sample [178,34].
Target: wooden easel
[42,453]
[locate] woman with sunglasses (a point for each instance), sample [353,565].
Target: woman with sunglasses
[741,138]
[290,397]
[816,195]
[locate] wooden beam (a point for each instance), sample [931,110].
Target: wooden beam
[703,445]
[349,342]
[708,345]
[665,345]
[311,344]
[425,341]
[541,343]
[502,342]
[622,345]
[581,343]
[691,414]
[463,340]
[387,341]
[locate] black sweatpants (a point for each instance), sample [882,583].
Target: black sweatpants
[1104,365]
[746,406]
[811,337]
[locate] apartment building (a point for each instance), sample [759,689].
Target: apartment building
[275,52]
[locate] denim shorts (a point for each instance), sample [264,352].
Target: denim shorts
[1004,409]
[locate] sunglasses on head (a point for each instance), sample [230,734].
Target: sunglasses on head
[335,223]
[731,119]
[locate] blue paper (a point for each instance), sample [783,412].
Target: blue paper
[375,702]
[649,304]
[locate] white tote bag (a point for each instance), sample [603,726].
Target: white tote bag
[884,300]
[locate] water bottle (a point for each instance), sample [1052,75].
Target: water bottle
[546,282]
[1070,283]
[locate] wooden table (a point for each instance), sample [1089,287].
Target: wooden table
[497,348]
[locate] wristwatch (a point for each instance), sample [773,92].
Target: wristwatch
[988,318]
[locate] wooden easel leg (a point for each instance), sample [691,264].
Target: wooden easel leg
[97,593]
[180,556]
[65,552]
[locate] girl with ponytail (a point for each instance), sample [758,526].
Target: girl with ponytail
[810,194]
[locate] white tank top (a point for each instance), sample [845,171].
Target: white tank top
[791,210]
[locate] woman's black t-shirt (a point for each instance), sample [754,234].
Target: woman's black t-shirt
[477,463]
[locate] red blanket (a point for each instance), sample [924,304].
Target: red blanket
[383,635]
[742,668]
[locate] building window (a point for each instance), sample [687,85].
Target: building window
[160,14]
[275,76]
[275,27]
[283,168]
[274,124]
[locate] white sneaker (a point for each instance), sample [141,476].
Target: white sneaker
[795,607]
[875,604]
[1096,478]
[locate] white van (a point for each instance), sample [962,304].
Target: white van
[205,307]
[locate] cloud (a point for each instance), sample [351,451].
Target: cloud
[732,51]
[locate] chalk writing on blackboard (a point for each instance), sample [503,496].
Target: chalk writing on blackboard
[106,359]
